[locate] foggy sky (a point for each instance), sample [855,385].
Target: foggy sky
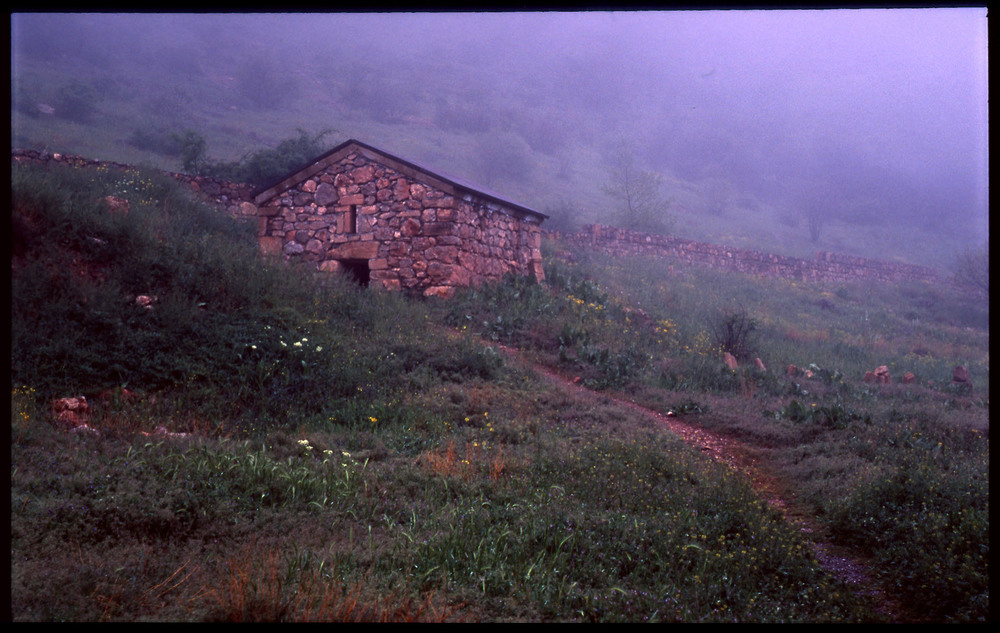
[887,108]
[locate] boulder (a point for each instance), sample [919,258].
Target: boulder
[117,205]
[444,292]
[760,364]
[70,412]
[960,374]
[730,361]
[869,376]
[882,375]
[791,371]
[909,378]
[118,395]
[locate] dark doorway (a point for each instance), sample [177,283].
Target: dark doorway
[358,270]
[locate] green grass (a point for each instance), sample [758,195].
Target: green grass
[353,455]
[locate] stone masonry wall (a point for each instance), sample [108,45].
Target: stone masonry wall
[420,238]
[414,236]
[826,266]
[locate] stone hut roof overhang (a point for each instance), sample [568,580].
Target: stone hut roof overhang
[453,185]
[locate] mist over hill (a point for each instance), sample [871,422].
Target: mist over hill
[855,131]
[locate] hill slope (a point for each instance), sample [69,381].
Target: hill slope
[333,454]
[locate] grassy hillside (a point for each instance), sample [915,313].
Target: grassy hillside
[262,444]
[518,139]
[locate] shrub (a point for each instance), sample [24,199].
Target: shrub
[265,166]
[76,101]
[734,333]
[155,140]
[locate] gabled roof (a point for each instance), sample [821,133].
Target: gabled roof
[450,184]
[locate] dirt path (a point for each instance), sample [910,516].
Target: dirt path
[841,563]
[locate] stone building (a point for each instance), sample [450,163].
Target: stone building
[391,222]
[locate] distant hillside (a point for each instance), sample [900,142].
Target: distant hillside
[523,140]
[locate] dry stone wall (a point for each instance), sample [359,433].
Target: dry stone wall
[235,198]
[825,267]
[413,235]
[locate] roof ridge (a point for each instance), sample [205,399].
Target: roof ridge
[456,181]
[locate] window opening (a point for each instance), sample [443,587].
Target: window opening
[352,219]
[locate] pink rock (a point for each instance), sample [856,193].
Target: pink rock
[730,361]
[70,412]
[960,374]
[117,205]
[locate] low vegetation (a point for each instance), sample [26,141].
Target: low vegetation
[265,445]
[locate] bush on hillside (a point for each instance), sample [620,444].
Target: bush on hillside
[76,101]
[734,333]
[263,166]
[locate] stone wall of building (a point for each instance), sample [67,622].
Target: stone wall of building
[413,236]
[825,267]
[416,237]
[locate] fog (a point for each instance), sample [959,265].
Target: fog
[864,117]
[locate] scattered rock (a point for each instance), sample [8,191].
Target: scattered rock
[882,375]
[118,394]
[960,374]
[791,371]
[879,376]
[731,361]
[70,413]
[145,301]
[760,364]
[117,205]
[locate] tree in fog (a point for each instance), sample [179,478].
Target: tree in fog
[77,101]
[716,191]
[638,204]
[264,83]
[972,268]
